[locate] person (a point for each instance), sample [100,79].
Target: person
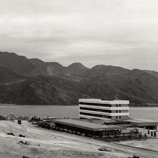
[140,135]
[145,136]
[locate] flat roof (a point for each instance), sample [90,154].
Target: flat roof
[98,121]
[141,122]
[108,122]
[87,125]
[102,101]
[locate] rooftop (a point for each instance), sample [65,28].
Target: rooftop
[101,101]
[87,125]
[141,122]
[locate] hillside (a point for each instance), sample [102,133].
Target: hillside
[7,76]
[46,68]
[153,73]
[18,64]
[41,90]
[76,68]
[101,70]
[50,83]
[137,86]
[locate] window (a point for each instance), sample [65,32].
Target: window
[95,104]
[90,109]
[88,114]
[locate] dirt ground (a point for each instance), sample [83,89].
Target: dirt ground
[44,143]
[150,143]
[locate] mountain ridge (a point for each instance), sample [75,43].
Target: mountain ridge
[26,81]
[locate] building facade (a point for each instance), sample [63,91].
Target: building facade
[103,109]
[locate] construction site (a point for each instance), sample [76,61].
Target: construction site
[88,136]
[105,120]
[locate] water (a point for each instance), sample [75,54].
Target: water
[144,113]
[69,111]
[40,111]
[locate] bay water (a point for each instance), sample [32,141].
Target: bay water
[150,113]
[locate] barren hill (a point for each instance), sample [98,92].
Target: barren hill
[50,83]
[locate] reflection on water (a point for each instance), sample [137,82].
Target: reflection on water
[69,111]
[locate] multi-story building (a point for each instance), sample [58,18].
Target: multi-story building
[103,109]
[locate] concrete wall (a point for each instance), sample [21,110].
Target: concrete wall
[119,105]
[149,133]
[118,118]
[124,117]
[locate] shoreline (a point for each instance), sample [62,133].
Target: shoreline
[33,105]
[75,105]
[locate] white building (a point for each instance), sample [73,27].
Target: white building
[103,109]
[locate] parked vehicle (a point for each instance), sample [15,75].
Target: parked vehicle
[19,121]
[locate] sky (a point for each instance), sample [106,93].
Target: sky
[94,32]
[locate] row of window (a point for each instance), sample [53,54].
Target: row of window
[98,104]
[118,117]
[90,109]
[95,104]
[102,110]
[96,115]
[118,111]
[118,105]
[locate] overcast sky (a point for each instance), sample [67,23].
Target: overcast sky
[110,32]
